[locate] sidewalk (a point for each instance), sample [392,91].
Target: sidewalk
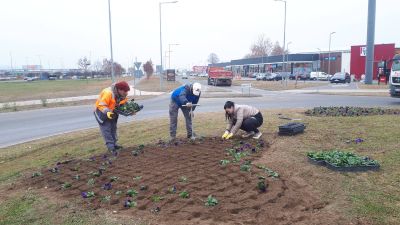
[133,92]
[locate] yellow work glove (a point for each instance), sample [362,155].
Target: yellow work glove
[225,134]
[229,136]
[110,115]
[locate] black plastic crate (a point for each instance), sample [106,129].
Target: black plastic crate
[316,162]
[292,129]
[351,168]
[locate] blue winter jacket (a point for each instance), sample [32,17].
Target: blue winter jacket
[183,95]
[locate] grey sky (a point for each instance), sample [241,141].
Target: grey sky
[62,31]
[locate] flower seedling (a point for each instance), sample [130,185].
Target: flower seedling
[156,198]
[91,182]
[183,179]
[75,168]
[184,194]
[129,203]
[137,178]
[224,162]
[144,188]
[246,166]
[96,173]
[54,170]
[113,178]
[118,192]
[77,177]
[36,174]
[66,185]
[106,198]
[262,187]
[211,201]
[131,192]
[172,190]
[107,186]
[88,194]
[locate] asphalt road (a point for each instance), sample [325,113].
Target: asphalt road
[19,127]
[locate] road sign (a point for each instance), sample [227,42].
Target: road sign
[137,65]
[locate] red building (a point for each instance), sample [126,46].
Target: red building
[382,52]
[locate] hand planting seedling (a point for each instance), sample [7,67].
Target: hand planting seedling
[184,194]
[77,177]
[183,179]
[106,198]
[224,162]
[36,174]
[113,178]
[91,182]
[88,194]
[156,198]
[131,192]
[107,186]
[66,185]
[129,203]
[211,201]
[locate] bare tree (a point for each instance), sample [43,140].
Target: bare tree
[83,63]
[118,69]
[277,49]
[148,68]
[261,47]
[213,58]
[97,66]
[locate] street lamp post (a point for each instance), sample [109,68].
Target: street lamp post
[161,51]
[284,34]
[111,47]
[169,55]
[329,52]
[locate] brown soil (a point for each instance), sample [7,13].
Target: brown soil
[288,200]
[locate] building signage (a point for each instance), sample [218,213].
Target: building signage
[363,51]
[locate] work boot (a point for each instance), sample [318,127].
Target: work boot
[248,134]
[190,135]
[172,140]
[257,135]
[117,147]
[111,149]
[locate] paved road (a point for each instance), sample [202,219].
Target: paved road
[24,126]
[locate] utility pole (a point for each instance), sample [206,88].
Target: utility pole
[329,52]
[369,63]
[111,47]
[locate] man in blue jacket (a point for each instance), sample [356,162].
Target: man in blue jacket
[183,98]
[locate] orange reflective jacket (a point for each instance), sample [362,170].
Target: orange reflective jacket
[107,101]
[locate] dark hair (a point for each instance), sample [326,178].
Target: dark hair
[228,105]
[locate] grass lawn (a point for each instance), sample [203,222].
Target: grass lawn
[45,89]
[373,197]
[153,84]
[278,85]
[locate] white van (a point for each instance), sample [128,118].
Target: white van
[319,76]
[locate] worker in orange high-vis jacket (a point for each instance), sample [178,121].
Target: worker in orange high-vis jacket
[108,99]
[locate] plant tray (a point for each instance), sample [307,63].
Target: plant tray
[292,129]
[124,113]
[351,168]
[316,162]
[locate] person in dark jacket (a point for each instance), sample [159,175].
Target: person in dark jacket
[184,98]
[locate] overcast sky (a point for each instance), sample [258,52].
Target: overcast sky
[59,32]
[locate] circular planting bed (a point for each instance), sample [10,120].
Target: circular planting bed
[350,111]
[207,182]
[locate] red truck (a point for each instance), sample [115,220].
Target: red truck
[219,76]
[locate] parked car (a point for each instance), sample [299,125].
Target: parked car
[272,76]
[253,75]
[184,76]
[340,78]
[319,76]
[261,76]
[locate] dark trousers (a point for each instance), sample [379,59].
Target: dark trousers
[252,123]
[108,129]
[173,118]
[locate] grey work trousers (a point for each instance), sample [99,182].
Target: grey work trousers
[173,118]
[109,131]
